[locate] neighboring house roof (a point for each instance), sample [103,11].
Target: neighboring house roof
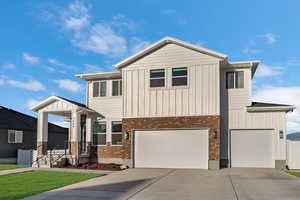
[260,106]
[11,119]
[164,41]
[293,136]
[104,75]
[57,98]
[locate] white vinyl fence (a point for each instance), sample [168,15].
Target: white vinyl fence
[293,154]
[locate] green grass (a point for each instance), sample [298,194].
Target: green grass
[20,185]
[294,173]
[8,166]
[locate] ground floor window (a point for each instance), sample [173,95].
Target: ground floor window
[15,137]
[116,132]
[99,133]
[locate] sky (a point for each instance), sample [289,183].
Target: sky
[45,43]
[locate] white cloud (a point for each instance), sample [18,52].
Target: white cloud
[101,39]
[2,81]
[264,70]
[76,16]
[269,38]
[138,44]
[31,102]
[92,68]
[62,123]
[8,66]
[30,59]
[55,62]
[282,95]
[32,85]
[200,43]
[69,85]
[168,11]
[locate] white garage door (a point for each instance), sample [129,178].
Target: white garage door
[171,149]
[252,148]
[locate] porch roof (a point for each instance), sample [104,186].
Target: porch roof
[53,99]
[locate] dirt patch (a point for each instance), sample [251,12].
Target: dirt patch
[97,166]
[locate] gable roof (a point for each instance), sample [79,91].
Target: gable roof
[260,106]
[57,98]
[11,119]
[164,41]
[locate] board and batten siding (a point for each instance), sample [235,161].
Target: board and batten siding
[200,97]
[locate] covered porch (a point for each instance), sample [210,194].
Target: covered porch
[80,117]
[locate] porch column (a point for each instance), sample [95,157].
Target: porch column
[42,133]
[75,133]
[89,132]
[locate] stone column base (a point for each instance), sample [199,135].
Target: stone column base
[214,164]
[74,148]
[41,148]
[280,164]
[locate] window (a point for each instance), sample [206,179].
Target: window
[235,79]
[15,137]
[116,135]
[157,78]
[179,76]
[117,88]
[99,89]
[99,133]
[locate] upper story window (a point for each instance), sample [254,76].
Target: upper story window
[117,88]
[179,76]
[157,78]
[15,137]
[99,89]
[235,79]
[99,133]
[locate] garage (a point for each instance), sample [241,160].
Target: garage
[252,148]
[171,149]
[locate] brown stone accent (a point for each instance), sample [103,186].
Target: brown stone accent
[41,148]
[156,123]
[74,148]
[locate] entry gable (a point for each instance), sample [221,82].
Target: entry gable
[170,49]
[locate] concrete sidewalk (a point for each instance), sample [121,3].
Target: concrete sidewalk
[20,170]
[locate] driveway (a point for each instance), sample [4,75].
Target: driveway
[167,184]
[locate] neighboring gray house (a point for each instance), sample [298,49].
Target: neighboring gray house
[18,131]
[172,105]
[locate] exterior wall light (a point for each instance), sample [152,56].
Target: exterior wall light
[281,136]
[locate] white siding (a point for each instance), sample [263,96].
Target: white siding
[200,97]
[109,106]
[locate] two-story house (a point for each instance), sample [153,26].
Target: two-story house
[173,105]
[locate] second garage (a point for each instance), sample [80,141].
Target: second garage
[171,149]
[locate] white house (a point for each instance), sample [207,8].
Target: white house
[172,105]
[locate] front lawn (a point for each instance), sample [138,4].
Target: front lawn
[9,166]
[294,173]
[16,186]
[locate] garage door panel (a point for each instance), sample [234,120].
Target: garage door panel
[252,148]
[171,149]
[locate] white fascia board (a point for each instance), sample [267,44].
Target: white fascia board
[270,109]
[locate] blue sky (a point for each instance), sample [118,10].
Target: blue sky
[45,43]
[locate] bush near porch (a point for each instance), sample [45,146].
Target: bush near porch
[297,174]
[20,185]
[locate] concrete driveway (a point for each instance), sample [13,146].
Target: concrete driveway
[167,184]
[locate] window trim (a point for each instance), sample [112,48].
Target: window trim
[99,92]
[235,72]
[116,133]
[119,88]
[155,78]
[10,131]
[187,78]
[100,133]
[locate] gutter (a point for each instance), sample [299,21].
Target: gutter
[270,109]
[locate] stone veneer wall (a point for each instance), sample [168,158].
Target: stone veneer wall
[155,123]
